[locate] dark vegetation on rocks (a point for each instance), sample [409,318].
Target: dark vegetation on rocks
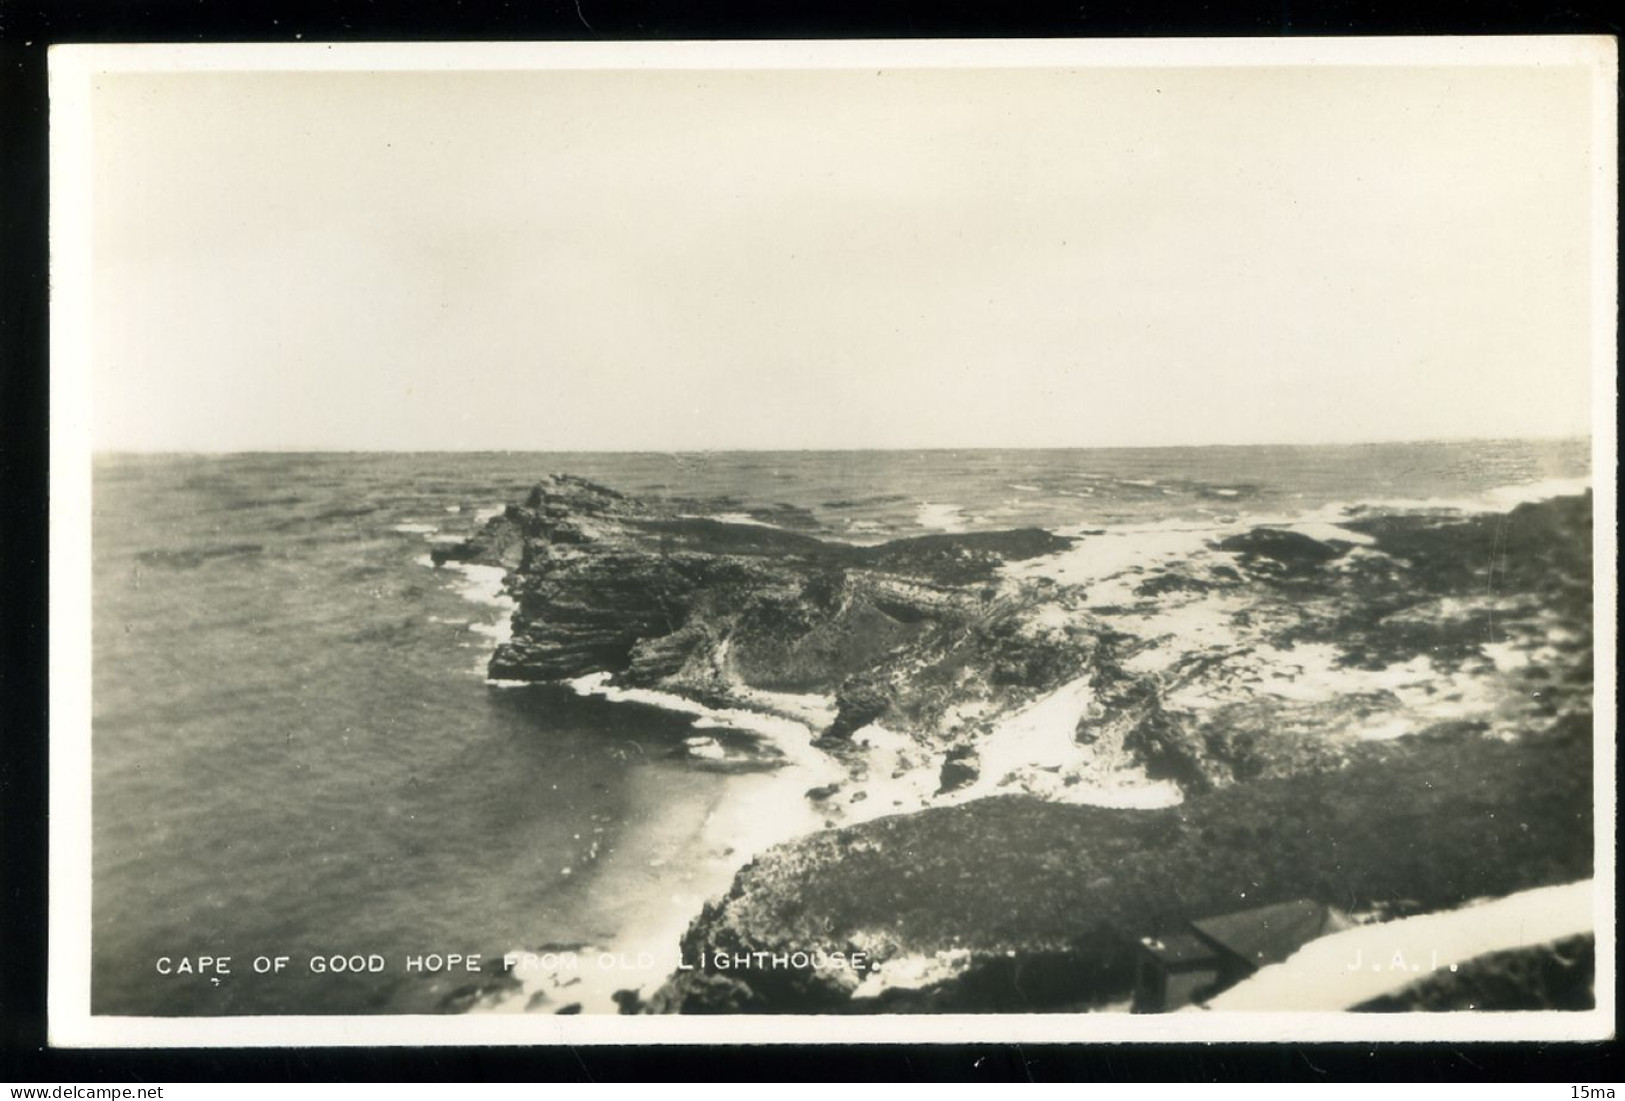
[1442,589]
[1066,888]
[1485,791]
[1510,569]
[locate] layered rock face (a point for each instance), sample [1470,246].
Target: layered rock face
[664,597]
[1263,653]
[1348,712]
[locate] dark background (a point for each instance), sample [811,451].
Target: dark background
[27,27]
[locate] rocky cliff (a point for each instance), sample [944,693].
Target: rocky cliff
[662,595]
[1013,903]
[1339,707]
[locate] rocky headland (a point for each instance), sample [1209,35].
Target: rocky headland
[1050,743]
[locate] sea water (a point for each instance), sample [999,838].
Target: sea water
[297,755]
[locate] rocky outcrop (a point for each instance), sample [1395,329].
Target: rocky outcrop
[1428,620]
[1319,641]
[1356,714]
[1272,552]
[662,595]
[1015,904]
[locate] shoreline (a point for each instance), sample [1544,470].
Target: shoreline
[903,786]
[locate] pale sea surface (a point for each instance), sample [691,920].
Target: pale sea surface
[295,752]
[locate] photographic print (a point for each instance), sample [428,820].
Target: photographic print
[833,541]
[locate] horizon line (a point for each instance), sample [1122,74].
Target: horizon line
[309,450]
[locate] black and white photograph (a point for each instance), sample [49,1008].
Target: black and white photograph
[844,541]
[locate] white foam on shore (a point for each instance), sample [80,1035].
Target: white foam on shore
[1114,549]
[791,738]
[1040,735]
[1096,557]
[1404,697]
[899,776]
[1497,499]
[1418,694]
[1121,553]
[1036,751]
[1506,497]
[484,514]
[756,811]
[740,518]
[1328,532]
[705,748]
[811,709]
[1175,628]
[1349,968]
[949,518]
[1033,750]
[415,529]
[815,710]
[484,585]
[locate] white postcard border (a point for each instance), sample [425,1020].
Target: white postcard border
[73,70]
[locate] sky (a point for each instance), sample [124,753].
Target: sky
[673,260]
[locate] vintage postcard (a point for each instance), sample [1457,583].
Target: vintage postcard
[833,541]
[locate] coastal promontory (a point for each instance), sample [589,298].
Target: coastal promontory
[1056,744]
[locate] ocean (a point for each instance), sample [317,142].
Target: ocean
[297,755]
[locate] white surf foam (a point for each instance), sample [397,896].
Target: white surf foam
[705,748]
[741,518]
[1498,499]
[756,811]
[790,737]
[1115,550]
[1510,496]
[485,585]
[1036,750]
[1108,550]
[940,517]
[900,776]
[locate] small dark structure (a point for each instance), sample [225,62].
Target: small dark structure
[1174,971]
[1212,954]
